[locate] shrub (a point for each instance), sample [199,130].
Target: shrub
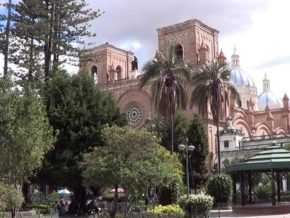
[196,205]
[220,188]
[263,192]
[167,210]
[39,208]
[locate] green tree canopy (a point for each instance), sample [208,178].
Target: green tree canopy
[131,159]
[25,134]
[77,110]
[198,161]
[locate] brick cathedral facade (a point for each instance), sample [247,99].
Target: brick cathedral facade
[116,71]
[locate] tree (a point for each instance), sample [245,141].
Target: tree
[68,23]
[161,127]
[29,30]
[6,34]
[198,166]
[45,34]
[133,160]
[25,134]
[11,198]
[212,84]
[77,110]
[169,77]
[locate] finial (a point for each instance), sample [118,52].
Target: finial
[235,49]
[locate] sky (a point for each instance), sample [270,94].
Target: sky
[259,29]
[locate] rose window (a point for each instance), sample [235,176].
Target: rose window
[134,114]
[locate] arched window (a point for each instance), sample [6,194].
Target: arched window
[179,51]
[94,73]
[119,72]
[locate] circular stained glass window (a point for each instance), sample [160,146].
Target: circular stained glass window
[134,114]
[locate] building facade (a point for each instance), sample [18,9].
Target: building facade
[116,70]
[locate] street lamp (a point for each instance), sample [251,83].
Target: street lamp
[186,150]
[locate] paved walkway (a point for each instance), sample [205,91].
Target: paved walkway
[230,214]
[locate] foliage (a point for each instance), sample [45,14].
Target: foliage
[25,134]
[197,206]
[40,208]
[43,35]
[77,110]
[264,187]
[212,85]
[263,192]
[53,197]
[133,160]
[198,161]
[11,198]
[220,188]
[169,76]
[161,127]
[171,209]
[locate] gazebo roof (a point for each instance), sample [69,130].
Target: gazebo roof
[273,158]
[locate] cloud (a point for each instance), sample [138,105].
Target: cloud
[138,20]
[276,61]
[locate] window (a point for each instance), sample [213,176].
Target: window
[94,73]
[119,72]
[226,144]
[179,51]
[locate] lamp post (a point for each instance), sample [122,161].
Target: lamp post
[186,150]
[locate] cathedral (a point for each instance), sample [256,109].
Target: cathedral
[116,70]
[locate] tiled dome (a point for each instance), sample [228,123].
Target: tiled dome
[240,78]
[267,97]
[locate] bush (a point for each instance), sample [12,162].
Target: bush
[220,188]
[263,192]
[167,210]
[39,208]
[197,206]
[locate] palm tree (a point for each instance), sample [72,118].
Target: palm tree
[212,85]
[169,76]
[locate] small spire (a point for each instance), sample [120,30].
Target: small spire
[235,59]
[285,97]
[266,84]
[221,58]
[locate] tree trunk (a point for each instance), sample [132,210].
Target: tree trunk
[7,39]
[48,41]
[218,146]
[26,196]
[79,201]
[114,210]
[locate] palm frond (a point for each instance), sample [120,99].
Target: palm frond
[151,70]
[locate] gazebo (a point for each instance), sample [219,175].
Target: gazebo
[274,161]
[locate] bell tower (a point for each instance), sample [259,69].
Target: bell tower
[198,41]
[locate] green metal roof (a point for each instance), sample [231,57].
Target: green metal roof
[273,158]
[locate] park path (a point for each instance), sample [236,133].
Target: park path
[230,214]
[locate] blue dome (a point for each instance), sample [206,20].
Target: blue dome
[240,78]
[269,98]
